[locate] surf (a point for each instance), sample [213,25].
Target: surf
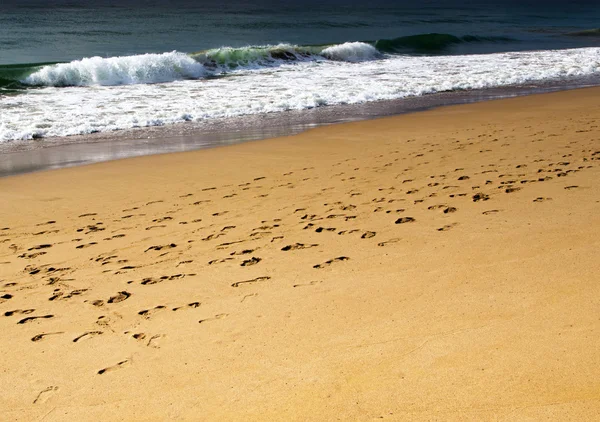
[174,66]
[152,68]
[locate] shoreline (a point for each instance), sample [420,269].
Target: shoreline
[437,265]
[21,157]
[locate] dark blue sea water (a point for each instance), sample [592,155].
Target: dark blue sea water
[33,31]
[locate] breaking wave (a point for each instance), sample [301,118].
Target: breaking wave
[174,66]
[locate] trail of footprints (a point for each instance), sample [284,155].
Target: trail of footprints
[443,194]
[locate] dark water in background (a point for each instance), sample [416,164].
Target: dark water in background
[33,31]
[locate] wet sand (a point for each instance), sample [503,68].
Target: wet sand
[19,157]
[434,266]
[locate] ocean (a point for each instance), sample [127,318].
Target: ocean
[80,67]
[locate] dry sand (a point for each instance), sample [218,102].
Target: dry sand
[436,266]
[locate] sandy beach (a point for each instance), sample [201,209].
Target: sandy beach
[440,265]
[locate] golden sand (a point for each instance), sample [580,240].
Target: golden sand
[435,266]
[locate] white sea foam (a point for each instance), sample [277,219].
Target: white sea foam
[174,66]
[141,69]
[351,52]
[291,85]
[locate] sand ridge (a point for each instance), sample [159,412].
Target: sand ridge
[441,265]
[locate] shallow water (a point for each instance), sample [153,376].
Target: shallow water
[26,156]
[212,69]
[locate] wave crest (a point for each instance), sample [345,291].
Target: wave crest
[351,52]
[227,58]
[126,70]
[174,66]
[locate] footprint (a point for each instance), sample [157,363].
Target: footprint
[541,199]
[489,212]
[152,280]
[329,229]
[511,190]
[184,262]
[120,297]
[104,322]
[33,318]
[403,220]
[435,207]
[312,283]
[155,227]
[86,335]
[92,228]
[480,197]
[45,246]
[571,187]
[212,236]
[247,296]
[41,336]
[114,367]
[252,261]
[147,313]
[226,244]
[158,248]
[243,252]
[31,255]
[345,232]
[19,311]
[368,235]
[254,280]
[446,227]
[153,342]
[161,219]
[297,246]
[45,394]
[331,261]
[394,240]
[219,261]
[62,296]
[189,305]
[86,245]
[5,296]
[218,316]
